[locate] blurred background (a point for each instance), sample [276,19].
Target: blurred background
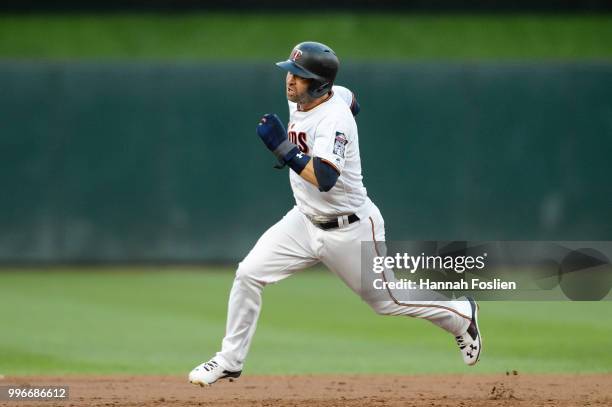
[127,129]
[127,137]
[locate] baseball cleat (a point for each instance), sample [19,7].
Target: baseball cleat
[209,372]
[470,343]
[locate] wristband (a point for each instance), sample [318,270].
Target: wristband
[298,160]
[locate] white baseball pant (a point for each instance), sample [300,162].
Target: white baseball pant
[293,244]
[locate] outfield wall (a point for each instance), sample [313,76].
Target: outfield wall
[160,162]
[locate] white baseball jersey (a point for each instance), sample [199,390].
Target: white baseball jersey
[328,131]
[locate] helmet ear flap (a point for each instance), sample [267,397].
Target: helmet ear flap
[318,88]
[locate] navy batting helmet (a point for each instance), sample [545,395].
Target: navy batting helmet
[315,61]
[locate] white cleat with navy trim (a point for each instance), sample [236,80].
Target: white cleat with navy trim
[209,372]
[470,343]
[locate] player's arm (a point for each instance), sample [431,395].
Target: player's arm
[313,169]
[318,172]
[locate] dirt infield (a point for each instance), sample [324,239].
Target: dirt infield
[339,390]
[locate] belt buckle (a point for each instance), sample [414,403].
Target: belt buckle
[342,221]
[318,220]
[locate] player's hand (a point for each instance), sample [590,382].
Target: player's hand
[271,131]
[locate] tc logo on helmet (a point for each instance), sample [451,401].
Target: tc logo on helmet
[295,55]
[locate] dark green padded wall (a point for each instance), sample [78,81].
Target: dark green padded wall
[160,162]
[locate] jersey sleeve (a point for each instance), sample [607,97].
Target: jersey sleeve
[331,143]
[345,94]
[347,97]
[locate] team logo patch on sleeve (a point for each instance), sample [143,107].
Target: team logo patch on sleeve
[340,144]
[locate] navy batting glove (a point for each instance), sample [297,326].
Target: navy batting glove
[272,132]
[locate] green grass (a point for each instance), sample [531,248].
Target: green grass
[164,322]
[354,36]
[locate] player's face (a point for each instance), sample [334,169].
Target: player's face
[297,88]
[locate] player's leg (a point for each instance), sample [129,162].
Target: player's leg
[281,251]
[342,254]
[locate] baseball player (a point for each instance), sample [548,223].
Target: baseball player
[332,216]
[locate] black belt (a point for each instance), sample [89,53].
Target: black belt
[334,223]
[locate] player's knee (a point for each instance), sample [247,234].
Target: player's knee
[247,273]
[244,272]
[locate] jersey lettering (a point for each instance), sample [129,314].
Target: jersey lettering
[299,139]
[302,142]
